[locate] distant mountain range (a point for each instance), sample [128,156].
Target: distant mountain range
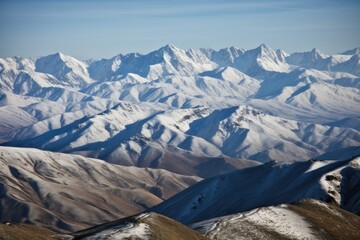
[204,108]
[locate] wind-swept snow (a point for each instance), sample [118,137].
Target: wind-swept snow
[130,231]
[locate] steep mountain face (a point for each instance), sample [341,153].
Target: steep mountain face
[70,192]
[204,108]
[266,185]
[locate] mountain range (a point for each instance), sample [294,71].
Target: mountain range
[210,138]
[229,108]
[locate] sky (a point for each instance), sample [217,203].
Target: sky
[103,28]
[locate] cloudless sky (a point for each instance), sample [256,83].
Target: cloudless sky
[103,28]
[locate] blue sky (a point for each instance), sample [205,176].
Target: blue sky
[102,28]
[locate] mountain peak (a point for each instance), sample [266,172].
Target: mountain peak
[317,53]
[232,48]
[57,55]
[169,48]
[60,56]
[235,50]
[263,45]
[315,50]
[263,49]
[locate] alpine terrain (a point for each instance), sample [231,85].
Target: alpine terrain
[219,144]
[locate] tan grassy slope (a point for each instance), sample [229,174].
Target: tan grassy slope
[24,232]
[70,192]
[335,222]
[165,228]
[159,227]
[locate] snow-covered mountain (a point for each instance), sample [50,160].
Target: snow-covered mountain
[307,59]
[65,68]
[259,62]
[201,107]
[315,59]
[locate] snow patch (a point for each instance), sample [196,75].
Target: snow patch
[130,231]
[283,221]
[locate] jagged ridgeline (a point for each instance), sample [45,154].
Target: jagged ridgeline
[186,111]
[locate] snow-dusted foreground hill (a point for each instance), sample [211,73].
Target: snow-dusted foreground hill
[308,219]
[186,111]
[70,192]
